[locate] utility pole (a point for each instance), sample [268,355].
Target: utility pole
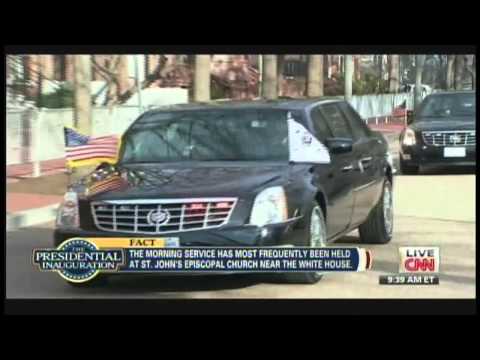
[419,63]
[269,83]
[348,77]
[201,81]
[470,68]
[315,76]
[82,94]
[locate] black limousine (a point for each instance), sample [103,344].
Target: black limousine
[440,133]
[223,174]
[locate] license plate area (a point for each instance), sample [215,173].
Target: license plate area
[450,152]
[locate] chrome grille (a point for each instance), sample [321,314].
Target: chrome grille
[449,138]
[158,216]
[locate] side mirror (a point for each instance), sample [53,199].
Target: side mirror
[409,117]
[339,145]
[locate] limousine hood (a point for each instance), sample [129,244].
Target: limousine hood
[221,180]
[444,124]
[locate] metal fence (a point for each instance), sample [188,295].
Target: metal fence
[35,136]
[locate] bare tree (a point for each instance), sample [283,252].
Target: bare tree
[269,83]
[315,76]
[380,66]
[357,71]
[280,64]
[459,71]
[115,72]
[470,68]
[82,67]
[394,74]
[419,64]
[450,72]
[159,70]
[82,94]
[201,82]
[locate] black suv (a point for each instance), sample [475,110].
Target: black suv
[222,175]
[440,133]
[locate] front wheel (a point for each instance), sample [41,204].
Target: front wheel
[378,227]
[317,237]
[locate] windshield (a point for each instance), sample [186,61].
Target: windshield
[447,105]
[208,135]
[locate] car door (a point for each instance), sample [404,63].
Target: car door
[368,167]
[336,177]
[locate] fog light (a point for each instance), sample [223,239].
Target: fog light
[264,232]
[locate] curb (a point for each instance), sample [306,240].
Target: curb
[31,217]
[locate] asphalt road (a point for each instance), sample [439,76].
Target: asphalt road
[436,209]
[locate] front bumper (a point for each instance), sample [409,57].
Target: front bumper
[424,155]
[287,233]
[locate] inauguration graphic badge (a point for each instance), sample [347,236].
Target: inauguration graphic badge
[82,259]
[78,260]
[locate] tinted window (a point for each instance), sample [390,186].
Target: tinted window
[446,105]
[213,135]
[337,121]
[320,125]
[358,126]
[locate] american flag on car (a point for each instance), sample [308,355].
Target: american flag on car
[114,182]
[88,150]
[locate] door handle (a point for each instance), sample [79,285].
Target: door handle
[347,168]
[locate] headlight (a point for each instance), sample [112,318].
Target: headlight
[270,207]
[409,137]
[67,215]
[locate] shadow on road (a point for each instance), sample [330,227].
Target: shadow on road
[460,170]
[453,170]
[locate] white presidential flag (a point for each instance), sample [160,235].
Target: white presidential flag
[304,146]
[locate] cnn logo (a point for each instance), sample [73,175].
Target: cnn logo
[417,259]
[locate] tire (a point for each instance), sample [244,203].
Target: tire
[310,277]
[377,229]
[408,169]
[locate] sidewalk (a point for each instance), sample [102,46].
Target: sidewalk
[49,167]
[33,201]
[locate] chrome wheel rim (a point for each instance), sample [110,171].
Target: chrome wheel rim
[318,235]
[317,230]
[388,209]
